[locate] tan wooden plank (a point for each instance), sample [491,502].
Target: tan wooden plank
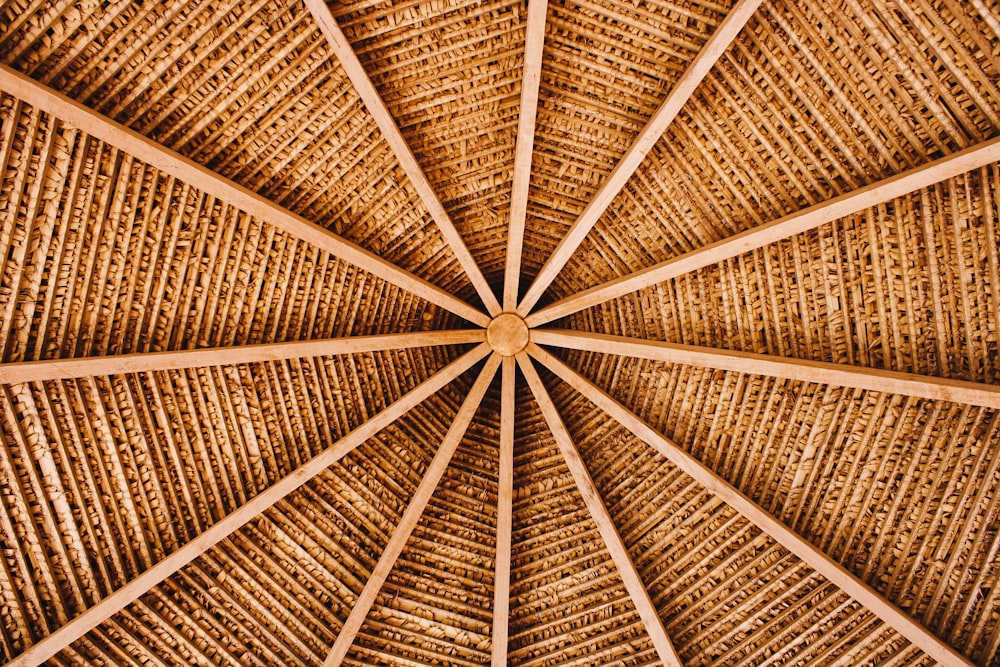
[169,162]
[59,369]
[822,563]
[386,561]
[636,153]
[843,375]
[531,77]
[789,225]
[119,599]
[505,511]
[605,525]
[407,160]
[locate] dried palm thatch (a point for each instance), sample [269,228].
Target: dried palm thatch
[531,333]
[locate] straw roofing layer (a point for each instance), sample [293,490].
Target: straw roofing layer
[108,474]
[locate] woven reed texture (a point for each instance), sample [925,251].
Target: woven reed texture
[450,73]
[607,67]
[102,253]
[901,491]
[912,285]
[793,115]
[251,90]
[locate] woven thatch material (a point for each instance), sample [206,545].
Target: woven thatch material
[170,454]
[102,253]
[165,266]
[439,597]
[794,115]
[450,74]
[568,605]
[900,491]
[259,98]
[925,261]
[595,50]
[744,616]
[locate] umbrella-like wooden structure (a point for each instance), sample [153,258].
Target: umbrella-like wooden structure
[511,332]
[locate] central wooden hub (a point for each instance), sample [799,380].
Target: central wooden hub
[507,334]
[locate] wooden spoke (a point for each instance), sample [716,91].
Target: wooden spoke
[872,379]
[789,225]
[592,498]
[823,564]
[60,369]
[534,41]
[407,160]
[505,508]
[188,171]
[702,64]
[411,516]
[118,600]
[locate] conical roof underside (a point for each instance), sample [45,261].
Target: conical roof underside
[821,399]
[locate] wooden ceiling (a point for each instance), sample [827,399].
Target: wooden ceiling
[250,415]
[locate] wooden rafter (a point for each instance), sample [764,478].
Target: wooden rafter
[789,539]
[534,42]
[169,162]
[505,510]
[872,379]
[436,469]
[789,225]
[407,160]
[144,362]
[119,599]
[605,525]
[695,73]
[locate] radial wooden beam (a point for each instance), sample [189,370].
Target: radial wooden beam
[822,563]
[174,164]
[386,561]
[695,73]
[505,509]
[605,525]
[119,599]
[789,225]
[872,379]
[143,362]
[531,77]
[407,160]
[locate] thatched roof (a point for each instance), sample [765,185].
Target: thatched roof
[514,333]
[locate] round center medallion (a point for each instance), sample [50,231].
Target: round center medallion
[507,334]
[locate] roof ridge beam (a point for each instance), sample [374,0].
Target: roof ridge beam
[170,162]
[505,511]
[146,362]
[414,510]
[664,115]
[394,137]
[809,218]
[874,601]
[599,512]
[804,370]
[534,43]
[140,585]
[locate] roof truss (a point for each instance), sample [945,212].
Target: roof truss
[534,42]
[407,160]
[28,90]
[118,600]
[144,362]
[826,566]
[505,511]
